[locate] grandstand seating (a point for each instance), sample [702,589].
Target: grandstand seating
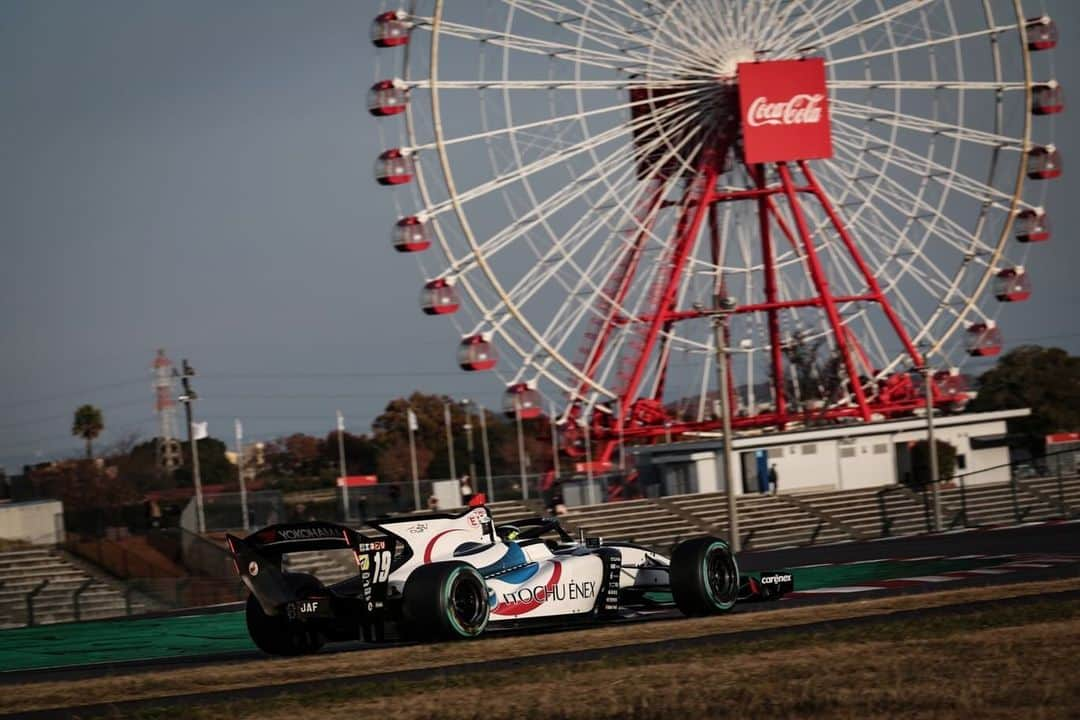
[872,512]
[22,570]
[1051,490]
[765,521]
[641,521]
[998,504]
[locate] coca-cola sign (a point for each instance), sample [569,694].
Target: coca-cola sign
[802,109]
[785,110]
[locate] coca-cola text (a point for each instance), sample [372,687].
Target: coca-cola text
[801,109]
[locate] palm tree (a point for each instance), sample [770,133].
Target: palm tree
[88,425]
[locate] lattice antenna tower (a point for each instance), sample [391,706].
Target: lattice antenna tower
[168,446]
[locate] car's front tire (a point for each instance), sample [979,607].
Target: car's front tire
[447,601]
[704,576]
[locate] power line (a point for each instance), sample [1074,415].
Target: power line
[37,421]
[330,375]
[61,396]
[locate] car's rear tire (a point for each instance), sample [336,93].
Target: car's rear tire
[276,634]
[704,576]
[446,601]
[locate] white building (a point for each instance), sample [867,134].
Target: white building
[839,457]
[39,522]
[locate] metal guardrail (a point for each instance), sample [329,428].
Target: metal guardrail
[76,596]
[30,600]
[1021,509]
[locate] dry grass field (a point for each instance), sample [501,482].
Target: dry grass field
[997,662]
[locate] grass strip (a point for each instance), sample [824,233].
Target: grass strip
[940,666]
[430,658]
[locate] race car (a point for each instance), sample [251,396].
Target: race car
[452,575]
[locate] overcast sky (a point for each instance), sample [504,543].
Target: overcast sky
[196,175]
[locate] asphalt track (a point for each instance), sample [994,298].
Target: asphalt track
[1062,539]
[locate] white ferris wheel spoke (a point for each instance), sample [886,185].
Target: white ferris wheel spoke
[553,159]
[556,202]
[950,235]
[859,27]
[610,34]
[930,85]
[934,42]
[551,84]
[558,157]
[616,61]
[821,13]
[786,27]
[922,124]
[614,241]
[553,121]
[943,289]
[920,166]
[908,183]
[530,284]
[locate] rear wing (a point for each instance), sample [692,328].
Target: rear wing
[257,558]
[278,540]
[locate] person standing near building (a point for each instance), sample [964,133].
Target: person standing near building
[774,479]
[466,490]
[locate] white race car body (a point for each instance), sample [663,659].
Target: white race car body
[525,579]
[450,575]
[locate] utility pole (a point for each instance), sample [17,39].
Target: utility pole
[487,454]
[341,462]
[169,456]
[413,426]
[187,398]
[449,441]
[935,494]
[724,306]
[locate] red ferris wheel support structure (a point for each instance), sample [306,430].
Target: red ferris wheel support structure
[782,123]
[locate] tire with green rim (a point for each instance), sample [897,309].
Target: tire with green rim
[704,576]
[446,601]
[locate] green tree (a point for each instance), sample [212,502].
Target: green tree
[392,435]
[360,453]
[214,466]
[88,424]
[1047,380]
[920,462]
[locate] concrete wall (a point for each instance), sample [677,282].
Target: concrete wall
[40,522]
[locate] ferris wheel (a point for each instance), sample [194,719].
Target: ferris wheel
[616,199]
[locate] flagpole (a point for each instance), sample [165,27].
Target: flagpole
[555,441]
[487,453]
[588,465]
[240,471]
[449,441]
[193,443]
[341,462]
[521,449]
[411,422]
